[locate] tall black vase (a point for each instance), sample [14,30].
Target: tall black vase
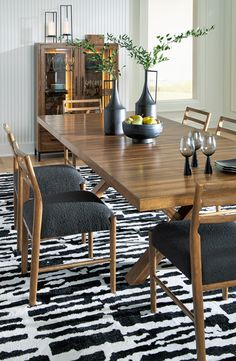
[114,113]
[146,105]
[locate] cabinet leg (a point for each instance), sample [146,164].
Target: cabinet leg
[39,156]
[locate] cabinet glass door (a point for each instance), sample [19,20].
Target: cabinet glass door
[92,83]
[59,79]
[96,84]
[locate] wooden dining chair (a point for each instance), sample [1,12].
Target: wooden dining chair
[203,248]
[59,215]
[226,127]
[196,117]
[82,105]
[85,106]
[51,179]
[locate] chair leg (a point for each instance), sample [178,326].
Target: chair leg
[82,188]
[153,266]
[19,232]
[34,270]
[113,254]
[74,160]
[225,293]
[83,238]
[199,322]
[66,155]
[15,209]
[19,217]
[24,251]
[90,244]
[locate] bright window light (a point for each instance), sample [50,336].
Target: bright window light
[175,76]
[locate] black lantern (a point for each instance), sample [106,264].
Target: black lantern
[66,22]
[50,26]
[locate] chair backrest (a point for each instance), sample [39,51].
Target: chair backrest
[26,181]
[194,116]
[208,194]
[226,127]
[82,105]
[11,140]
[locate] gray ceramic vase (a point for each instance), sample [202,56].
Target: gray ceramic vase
[114,113]
[146,106]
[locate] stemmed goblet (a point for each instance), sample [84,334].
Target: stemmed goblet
[208,148]
[186,149]
[197,139]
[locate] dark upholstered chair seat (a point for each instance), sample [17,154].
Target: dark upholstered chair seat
[218,244]
[70,213]
[56,179]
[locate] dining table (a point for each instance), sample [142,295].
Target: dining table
[149,176]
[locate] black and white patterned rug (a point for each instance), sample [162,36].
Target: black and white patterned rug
[77,318]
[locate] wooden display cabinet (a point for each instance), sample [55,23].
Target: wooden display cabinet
[64,72]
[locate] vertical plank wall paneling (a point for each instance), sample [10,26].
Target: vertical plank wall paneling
[21,25]
[233,59]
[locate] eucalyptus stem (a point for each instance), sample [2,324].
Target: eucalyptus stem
[102,61]
[149,59]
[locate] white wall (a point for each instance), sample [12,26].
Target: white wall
[22,24]
[221,59]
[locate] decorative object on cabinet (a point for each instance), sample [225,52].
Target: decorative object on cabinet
[66,25]
[149,59]
[50,26]
[63,72]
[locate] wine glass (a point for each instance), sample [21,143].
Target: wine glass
[208,148]
[186,149]
[197,139]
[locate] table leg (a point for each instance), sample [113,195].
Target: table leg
[139,272]
[100,188]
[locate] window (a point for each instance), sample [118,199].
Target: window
[175,76]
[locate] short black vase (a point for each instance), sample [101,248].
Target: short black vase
[114,113]
[146,105]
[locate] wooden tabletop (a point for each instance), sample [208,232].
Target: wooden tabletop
[149,176]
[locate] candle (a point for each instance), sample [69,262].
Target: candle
[51,28]
[66,27]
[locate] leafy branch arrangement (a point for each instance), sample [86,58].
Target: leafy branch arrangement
[150,59]
[103,60]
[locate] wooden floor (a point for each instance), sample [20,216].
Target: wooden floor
[6,163]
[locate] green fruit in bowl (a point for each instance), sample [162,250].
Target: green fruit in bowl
[153,121]
[150,120]
[137,119]
[129,120]
[147,120]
